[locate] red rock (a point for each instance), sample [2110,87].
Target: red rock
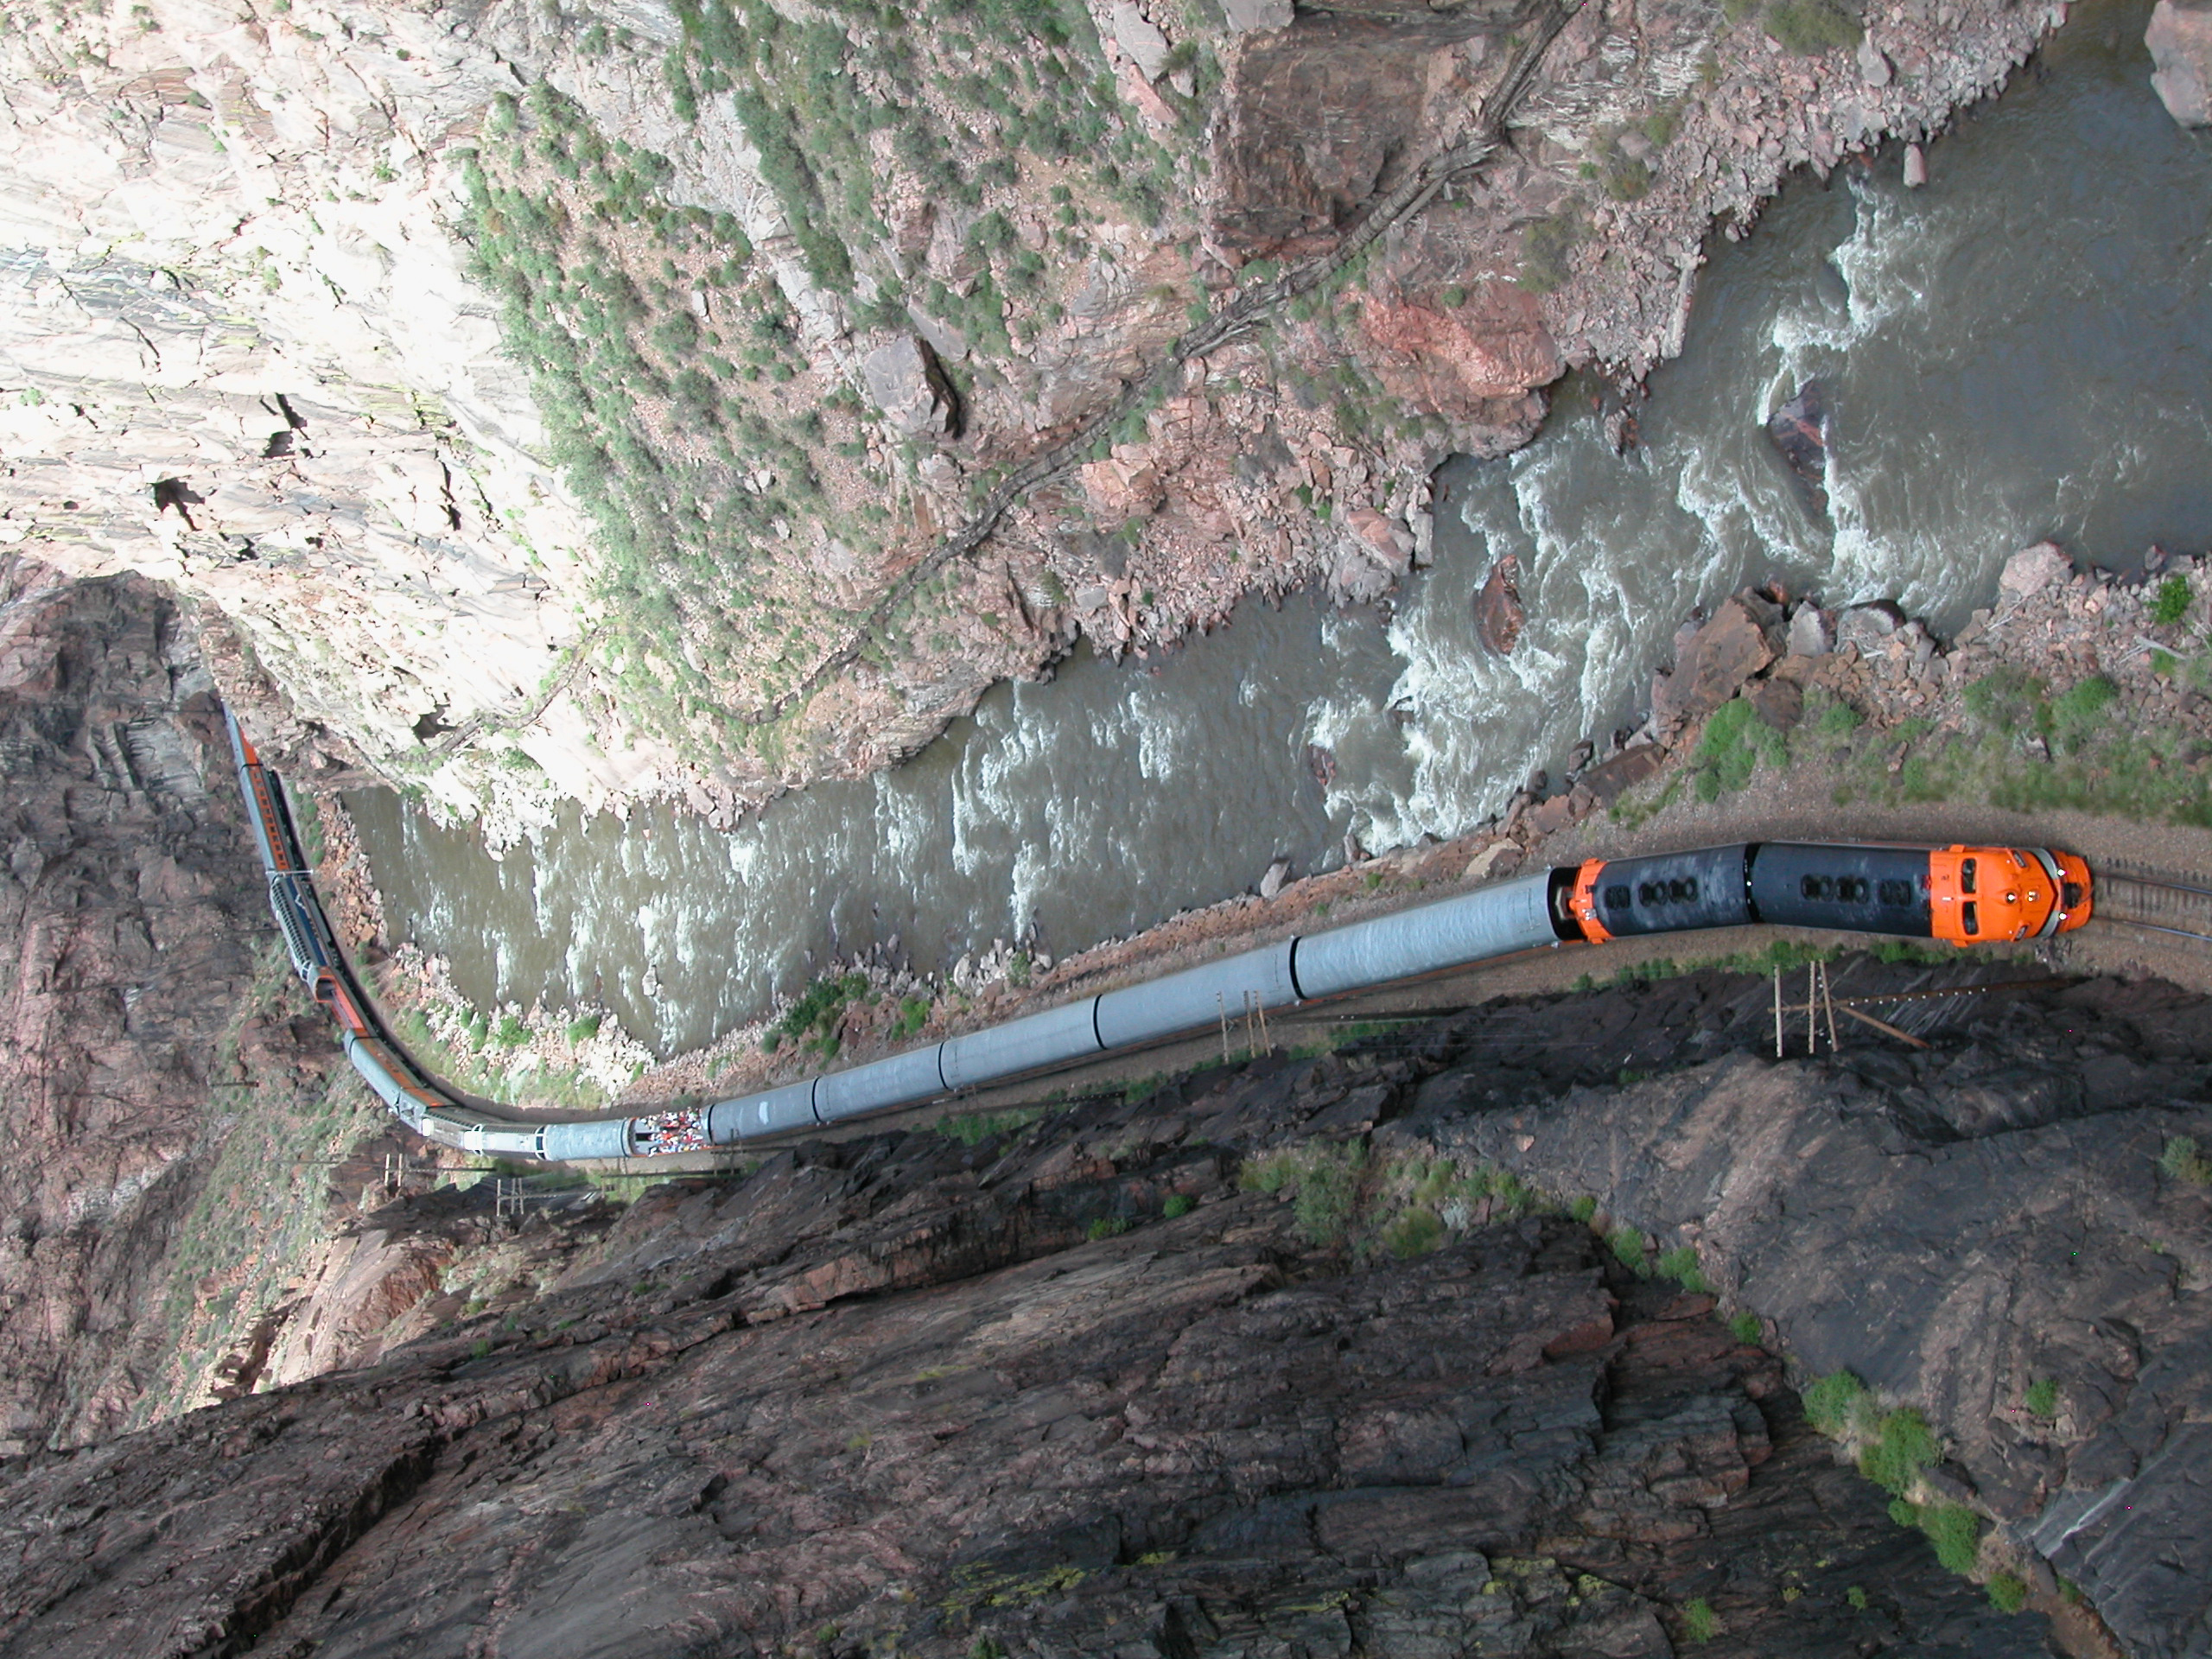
[1610,779]
[1726,652]
[1460,361]
[1499,616]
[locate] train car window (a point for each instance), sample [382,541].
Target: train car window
[1684,891]
[1970,917]
[1650,893]
[1896,893]
[1854,890]
[1617,897]
[1965,876]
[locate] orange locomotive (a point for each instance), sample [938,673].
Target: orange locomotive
[1967,895]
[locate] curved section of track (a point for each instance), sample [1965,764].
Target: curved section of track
[1964,894]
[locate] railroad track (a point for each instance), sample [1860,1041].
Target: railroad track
[2156,903]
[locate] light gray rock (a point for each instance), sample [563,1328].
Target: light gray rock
[2180,39]
[1868,627]
[1812,632]
[1248,16]
[1138,36]
[1915,167]
[903,378]
[1873,67]
[2033,570]
[1271,883]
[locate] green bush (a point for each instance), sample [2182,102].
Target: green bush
[1857,1597]
[975,1127]
[1905,1446]
[1808,27]
[1699,1622]
[1746,1329]
[2042,1398]
[1546,247]
[1107,1227]
[1629,1247]
[583,1030]
[1680,1265]
[1583,1208]
[1415,1232]
[2180,1160]
[1832,1404]
[1178,1206]
[1955,1530]
[512,1033]
[2172,602]
[2007,1593]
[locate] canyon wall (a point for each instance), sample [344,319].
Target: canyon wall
[133,921]
[570,404]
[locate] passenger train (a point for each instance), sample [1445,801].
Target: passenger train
[1966,895]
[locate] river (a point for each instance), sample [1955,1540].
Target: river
[2018,350]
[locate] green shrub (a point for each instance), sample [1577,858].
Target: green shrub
[2042,1398]
[1955,1530]
[1746,1328]
[1905,1446]
[1833,1404]
[1323,1181]
[512,1033]
[1629,1247]
[1178,1206]
[1583,1208]
[1107,1227]
[1546,247]
[2007,1593]
[1857,1597]
[2079,710]
[1680,1264]
[975,1127]
[480,1348]
[1699,1622]
[2172,602]
[1415,1232]
[583,1030]
[1806,26]
[2180,1160]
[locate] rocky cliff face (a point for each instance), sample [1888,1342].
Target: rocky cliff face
[1085,1386]
[132,926]
[786,296]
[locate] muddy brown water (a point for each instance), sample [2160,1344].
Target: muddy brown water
[2018,350]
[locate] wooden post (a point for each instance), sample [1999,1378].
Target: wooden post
[1827,1002]
[1777,1013]
[1221,1003]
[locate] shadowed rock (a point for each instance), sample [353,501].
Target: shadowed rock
[1799,430]
[1499,616]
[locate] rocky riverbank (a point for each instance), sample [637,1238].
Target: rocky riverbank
[1397,1349]
[2076,693]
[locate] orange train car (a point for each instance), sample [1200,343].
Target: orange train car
[1966,895]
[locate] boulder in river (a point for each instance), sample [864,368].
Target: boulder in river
[1726,652]
[1499,617]
[2180,39]
[1799,431]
